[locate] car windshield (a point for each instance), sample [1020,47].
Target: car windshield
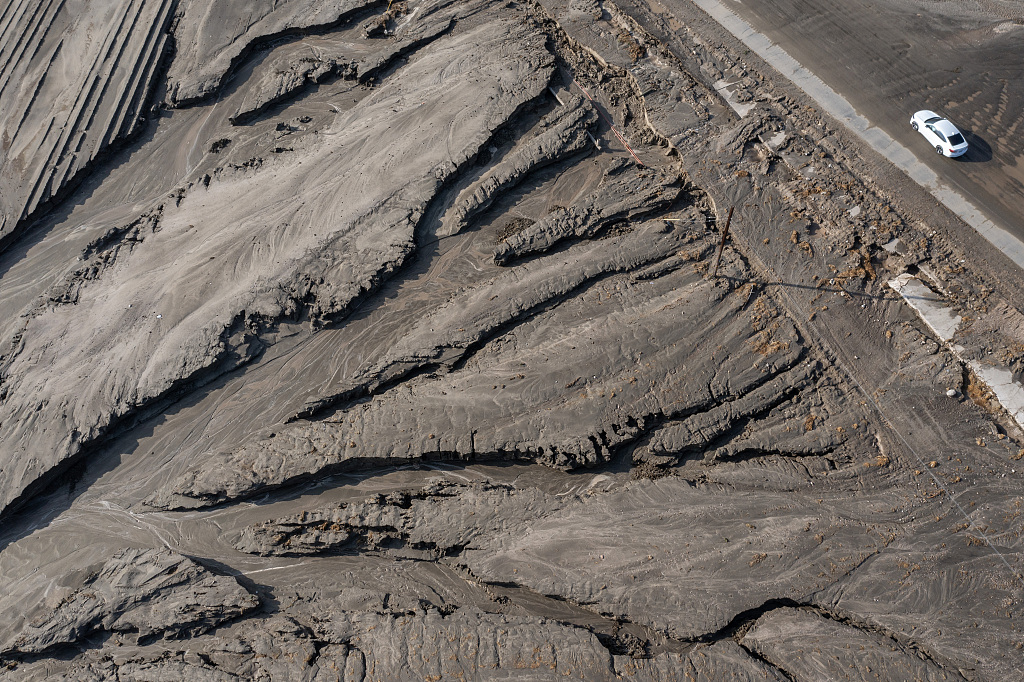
[956,139]
[933,119]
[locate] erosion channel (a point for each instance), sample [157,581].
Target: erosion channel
[352,340]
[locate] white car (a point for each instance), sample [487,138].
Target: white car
[942,134]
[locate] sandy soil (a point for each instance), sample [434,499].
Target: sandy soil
[386,342]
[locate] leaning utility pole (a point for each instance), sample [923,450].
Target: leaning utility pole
[721,246]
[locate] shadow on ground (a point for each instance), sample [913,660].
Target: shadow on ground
[978,150]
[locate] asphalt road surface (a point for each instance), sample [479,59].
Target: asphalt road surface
[892,58]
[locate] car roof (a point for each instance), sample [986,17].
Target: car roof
[946,128]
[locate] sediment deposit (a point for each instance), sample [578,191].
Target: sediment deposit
[366,341]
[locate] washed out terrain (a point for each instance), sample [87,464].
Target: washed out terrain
[347,340]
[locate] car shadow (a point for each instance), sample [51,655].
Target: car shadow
[978,150]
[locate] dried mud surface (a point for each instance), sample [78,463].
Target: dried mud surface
[366,341]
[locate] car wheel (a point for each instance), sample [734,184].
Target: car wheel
[938,149]
[914,125]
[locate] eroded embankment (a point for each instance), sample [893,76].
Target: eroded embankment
[422,373]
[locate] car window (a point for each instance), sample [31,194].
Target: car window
[933,119]
[956,139]
[940,135]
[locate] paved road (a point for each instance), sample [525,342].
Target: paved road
[871,66]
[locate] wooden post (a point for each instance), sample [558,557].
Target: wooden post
[721,246]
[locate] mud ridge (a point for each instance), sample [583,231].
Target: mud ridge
[21,214]
[398,347]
